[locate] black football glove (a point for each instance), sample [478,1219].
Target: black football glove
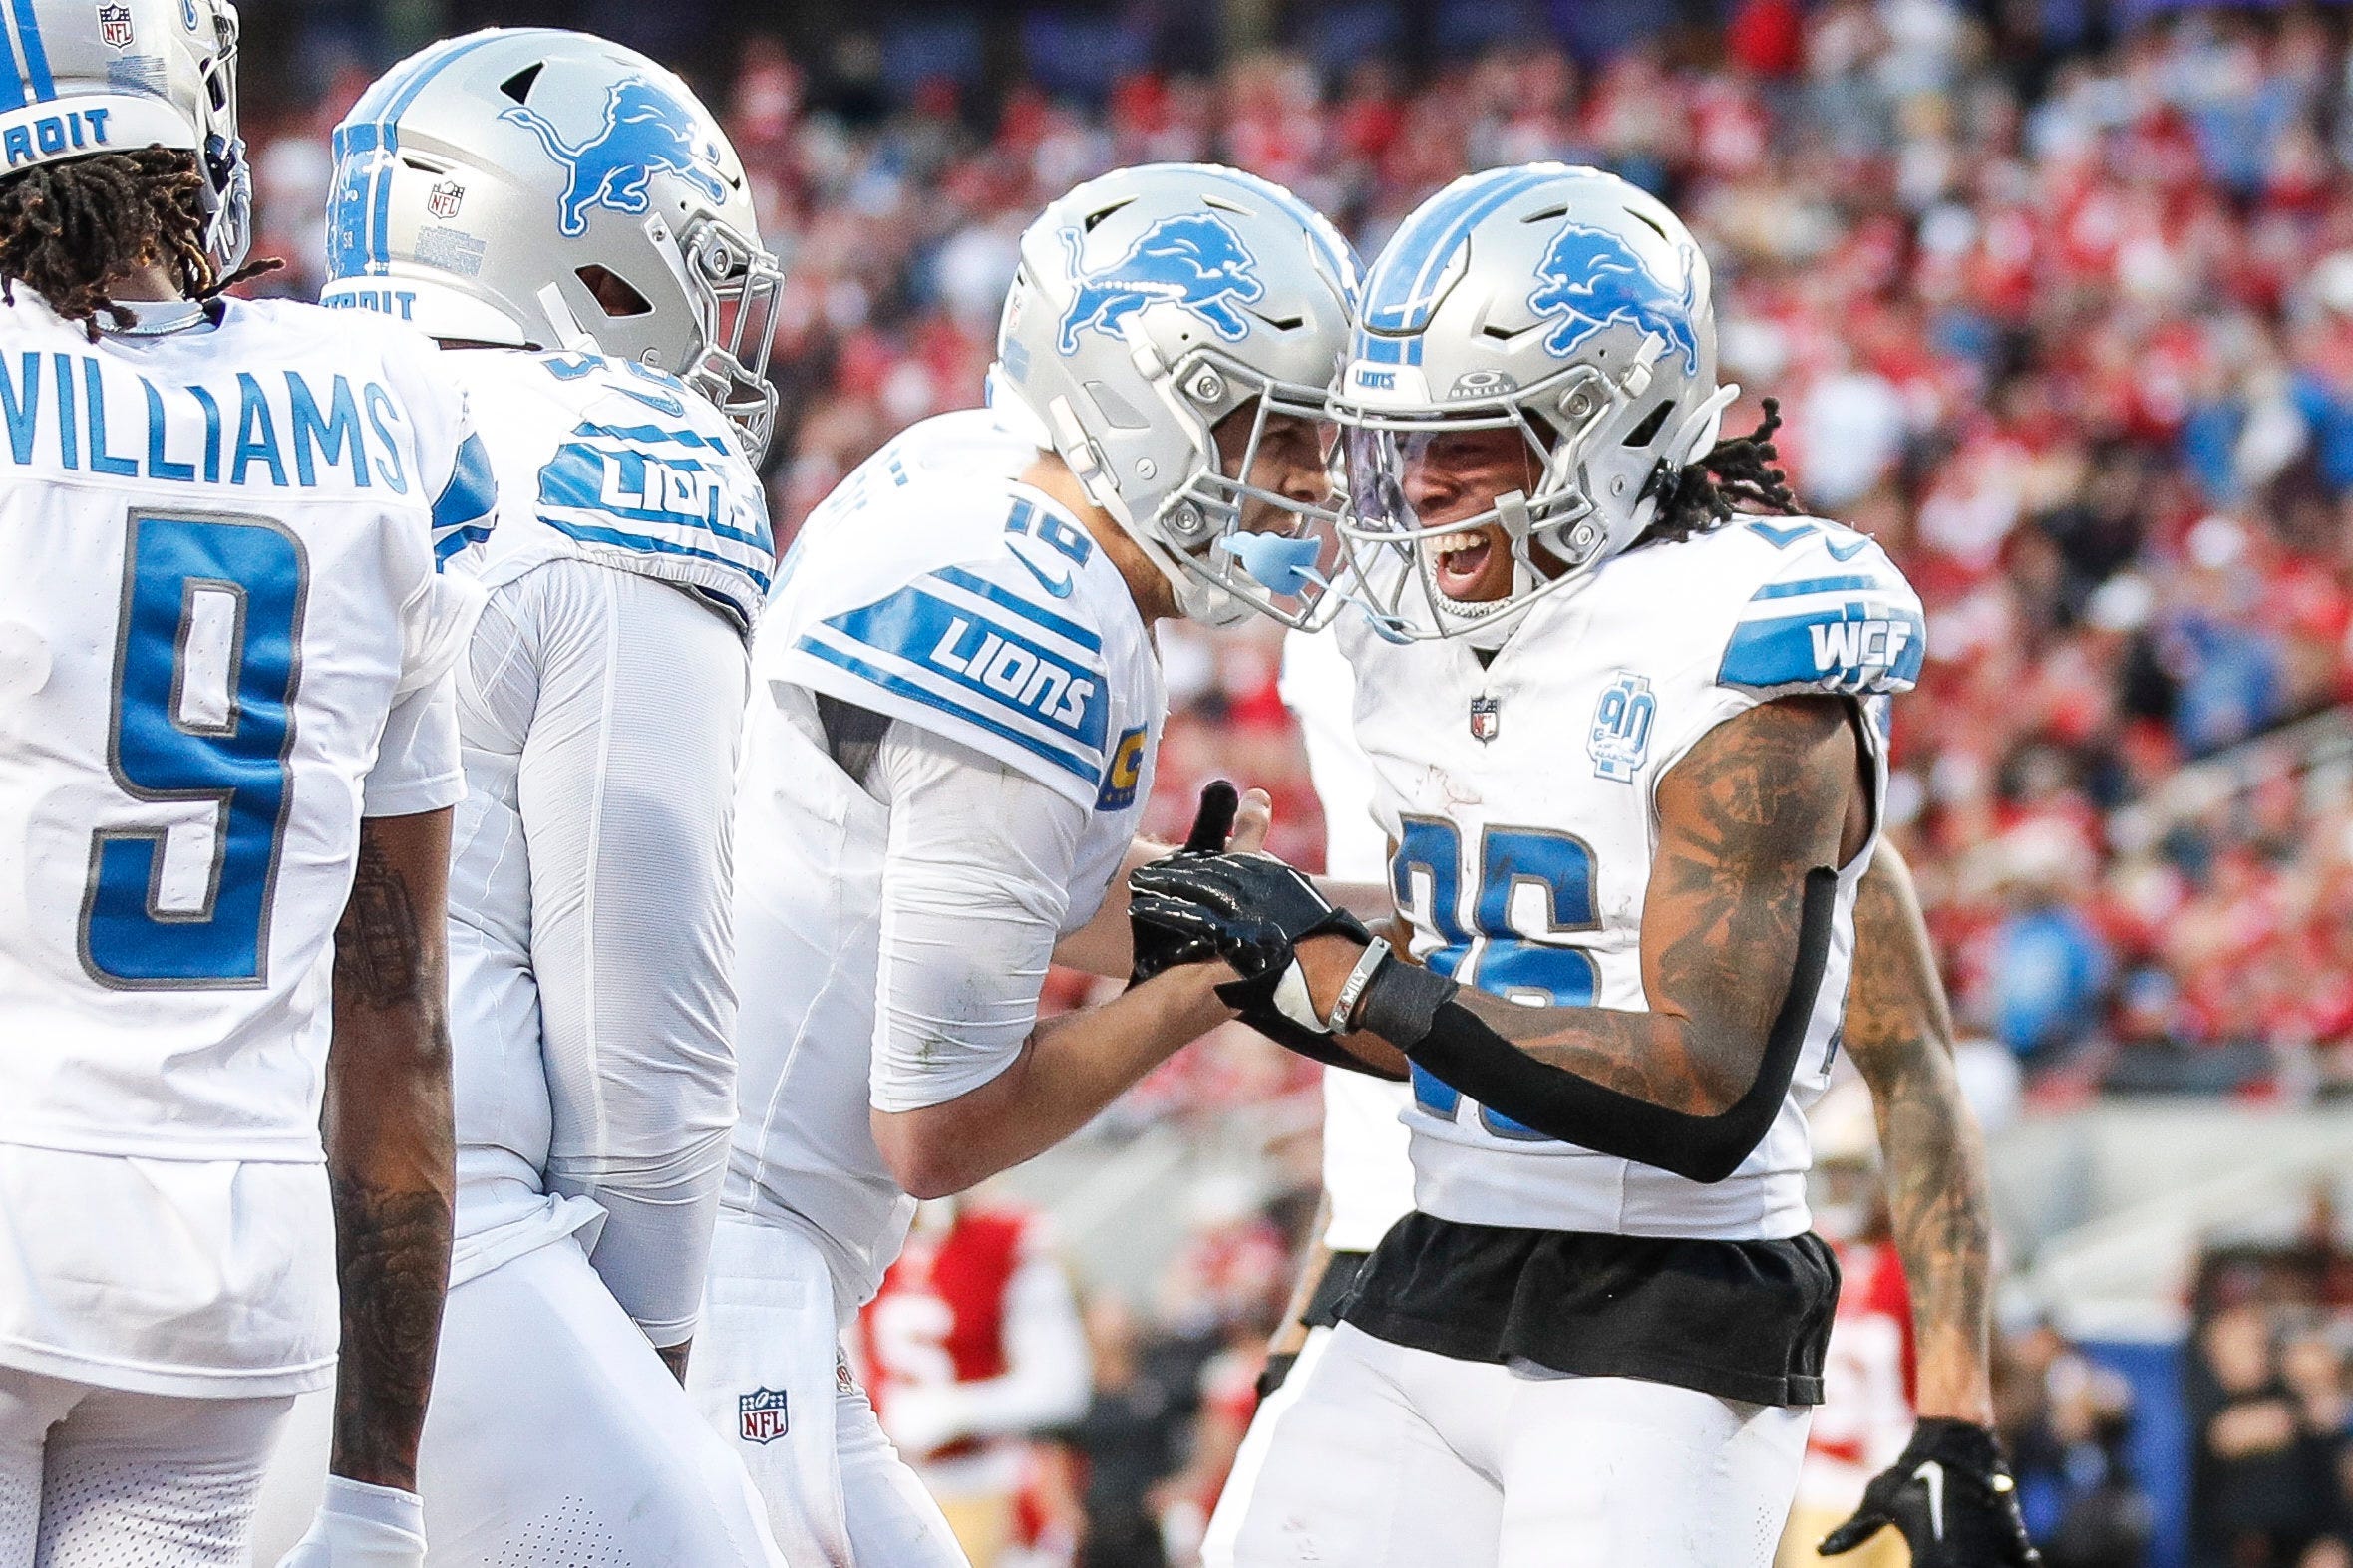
[1952,1499]
[1164,944]
[1253,910]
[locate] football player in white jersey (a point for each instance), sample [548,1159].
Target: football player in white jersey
[227,753]
[566,217]
[956,705]
[1597,1337]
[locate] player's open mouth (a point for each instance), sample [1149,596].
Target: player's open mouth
[1460,560]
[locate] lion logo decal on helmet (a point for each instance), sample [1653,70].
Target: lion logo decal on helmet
[645,132]
[1192,259]
[1590,279]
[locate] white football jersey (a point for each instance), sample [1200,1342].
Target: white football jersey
[1368,1172]
[936,589]
[222,642]
[611,461]
[606,462]
[1520,800]
[221,572]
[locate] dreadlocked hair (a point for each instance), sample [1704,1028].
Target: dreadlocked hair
[73,230]
[1736,475]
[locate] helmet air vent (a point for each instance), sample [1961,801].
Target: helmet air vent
[519,85]
[1647,221]
[1546,216]
[613,293]
[1099,214]
[1645,432]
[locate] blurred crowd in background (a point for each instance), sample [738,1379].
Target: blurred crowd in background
[2057,301]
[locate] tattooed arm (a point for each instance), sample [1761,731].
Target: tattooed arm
[1760,800]
[389,1144]
[1900,1032]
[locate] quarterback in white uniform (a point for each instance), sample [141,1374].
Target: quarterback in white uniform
[227,753]
[600,701]
[1596,1339]
[956,705]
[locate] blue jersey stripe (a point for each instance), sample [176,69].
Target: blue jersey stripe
[960,578]
[620,539]
[473,491]
[1791,590]
[654,434]
[27,29]
[457,540]
[1068,762]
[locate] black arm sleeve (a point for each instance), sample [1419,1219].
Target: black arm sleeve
[1416,1011]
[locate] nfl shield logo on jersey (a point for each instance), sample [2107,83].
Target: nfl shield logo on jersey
[760,1414]
[442,201]
[1486,719]
[1621,728]
[114,26]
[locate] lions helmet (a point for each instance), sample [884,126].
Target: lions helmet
[1150,304]
[1559,301]
[539,189]
[110,75]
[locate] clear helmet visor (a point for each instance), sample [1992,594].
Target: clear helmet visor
[736,287]
[1259,528]
[1439,507]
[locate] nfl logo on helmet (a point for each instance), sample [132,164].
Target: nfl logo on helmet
[114,26]
[760,1414]
[442,201]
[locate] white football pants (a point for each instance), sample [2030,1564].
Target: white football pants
[1390,1457]
[94,1477]
[555,1436]
[769,1376]
[1241,1482]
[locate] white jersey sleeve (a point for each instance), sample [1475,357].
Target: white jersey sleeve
[975,894]
[997,641]
[1832,618]
[417,767]
[624,784]
[609,460]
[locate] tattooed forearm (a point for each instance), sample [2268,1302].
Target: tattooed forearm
[392,1255]
[1759,802]
[1900,1032]
[379,949]
[390,1144]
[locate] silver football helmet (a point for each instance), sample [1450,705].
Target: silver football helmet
[109,76]
[1150,304]
[1559,301]
[547,189]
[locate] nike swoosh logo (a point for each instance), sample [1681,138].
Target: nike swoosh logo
[660,402]
[1849,552]
[1060,589]
[1932,1471]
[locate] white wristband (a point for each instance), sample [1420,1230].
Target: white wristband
[1344,1005]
